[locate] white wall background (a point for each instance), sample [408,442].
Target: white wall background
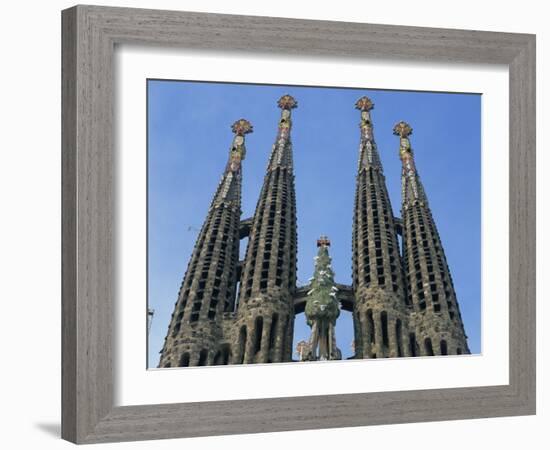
[31,209]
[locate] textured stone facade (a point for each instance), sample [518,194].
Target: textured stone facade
[242,312]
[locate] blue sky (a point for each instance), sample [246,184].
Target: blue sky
[188,143]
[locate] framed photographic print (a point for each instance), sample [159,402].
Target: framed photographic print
[268,222]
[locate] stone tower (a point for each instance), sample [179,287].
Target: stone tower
[196,328]
[436,324]
[381,310]
[265,317]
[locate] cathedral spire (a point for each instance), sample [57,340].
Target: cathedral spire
[436,323]
[265,316]
[380,310]
[208,287]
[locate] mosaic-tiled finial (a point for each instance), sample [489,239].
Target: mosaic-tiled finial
[364,104]
[287,102]
[242,127]
[402,129]
[238,151]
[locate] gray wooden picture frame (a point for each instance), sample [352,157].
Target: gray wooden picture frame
[90,34]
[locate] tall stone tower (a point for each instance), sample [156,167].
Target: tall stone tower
[208,289]
[265,318]
[435,321]
[381,311]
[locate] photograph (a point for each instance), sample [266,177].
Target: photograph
[311,223]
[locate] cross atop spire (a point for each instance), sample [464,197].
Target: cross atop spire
[323,241]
